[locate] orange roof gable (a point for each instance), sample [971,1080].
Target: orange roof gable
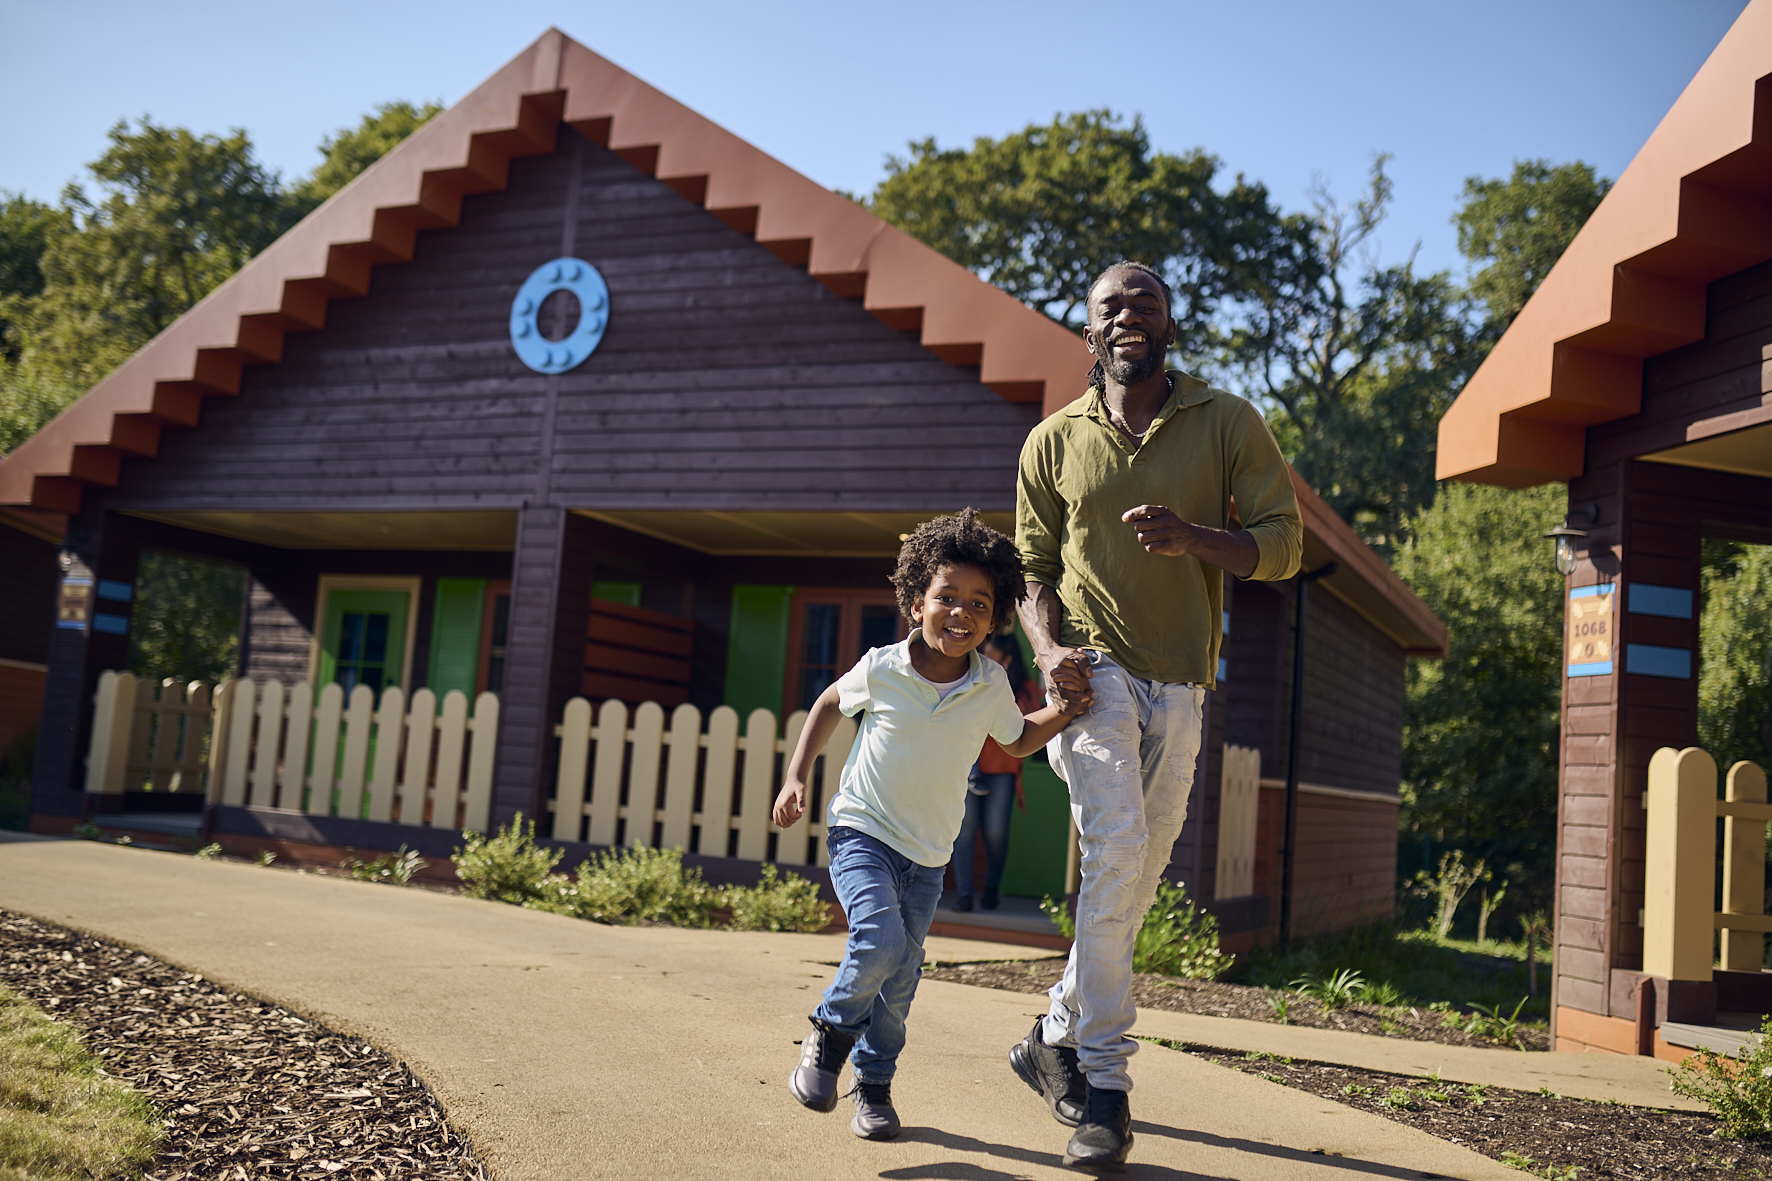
[1023,355]
[1695,205]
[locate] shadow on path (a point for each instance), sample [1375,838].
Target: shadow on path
[1281,1152]
[965,1171]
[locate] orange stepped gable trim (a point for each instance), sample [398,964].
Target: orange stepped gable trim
[1694,205]
[1022,355]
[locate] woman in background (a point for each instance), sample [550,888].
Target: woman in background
[996,781]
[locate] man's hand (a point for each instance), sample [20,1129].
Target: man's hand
[790,805]
[1160,531]
[1066,672]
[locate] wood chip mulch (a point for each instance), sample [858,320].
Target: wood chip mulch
[1544,1134]
[247,1089]
[1216,998]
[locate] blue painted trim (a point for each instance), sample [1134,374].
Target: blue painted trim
[1587,592]
[1670,602]
[1651,660]
[1224,669]
[122,592]
[111,625]
[71,624]
[563,274]
[1598,668]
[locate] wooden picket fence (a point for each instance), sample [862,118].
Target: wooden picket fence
[1680,919]
[1239,805]
[636,777]
[141,740]
[271,747]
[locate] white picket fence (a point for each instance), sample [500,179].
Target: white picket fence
[1239,806]
[275,748]
[677,785]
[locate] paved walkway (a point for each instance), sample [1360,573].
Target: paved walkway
[565,1049]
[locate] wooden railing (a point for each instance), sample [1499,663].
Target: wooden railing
[638,778]
[1679,914]
[1239,805]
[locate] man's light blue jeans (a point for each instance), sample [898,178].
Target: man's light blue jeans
[1129,763]
[890,902]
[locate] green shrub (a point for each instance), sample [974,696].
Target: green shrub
[1737,1089]
[778,902]
[626,886]
[397,868]
[507,867]
[1176,939]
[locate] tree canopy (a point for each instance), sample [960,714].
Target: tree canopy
[165,216]
[1520,226]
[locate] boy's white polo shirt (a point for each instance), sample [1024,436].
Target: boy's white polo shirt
[904,782]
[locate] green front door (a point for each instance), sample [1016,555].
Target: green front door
[364,639]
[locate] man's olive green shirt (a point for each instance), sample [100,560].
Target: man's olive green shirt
[1157,616]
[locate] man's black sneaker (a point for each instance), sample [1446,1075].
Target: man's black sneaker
[822,1054]
[1053,1073]
[963,904]
[989,901]
[1100,1144]
[875,1118]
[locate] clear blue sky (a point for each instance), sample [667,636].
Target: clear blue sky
[1282,90]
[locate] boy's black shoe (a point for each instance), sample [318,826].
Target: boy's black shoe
[963,904]
[822,1054]
[875,1118]
[989,901]
[1053,1073]
[1100,1144]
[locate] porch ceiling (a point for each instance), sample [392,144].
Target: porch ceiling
[473,530]
[805,534]
[1745,452]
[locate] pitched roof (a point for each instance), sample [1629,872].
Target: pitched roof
[1021,354]
[1694,205]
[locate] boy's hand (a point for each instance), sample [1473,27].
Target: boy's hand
[790,805]
[1071,680]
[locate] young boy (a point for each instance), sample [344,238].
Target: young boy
[929,703]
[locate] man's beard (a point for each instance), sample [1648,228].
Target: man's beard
[1130,373]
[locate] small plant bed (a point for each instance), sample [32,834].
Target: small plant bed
[245,1088]
[1216,998]
[1544,1134]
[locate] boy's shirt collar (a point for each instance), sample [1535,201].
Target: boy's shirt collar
[898,656]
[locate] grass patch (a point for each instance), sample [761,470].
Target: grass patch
[1415,967]
[60,1117]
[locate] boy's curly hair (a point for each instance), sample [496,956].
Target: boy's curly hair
[960,540]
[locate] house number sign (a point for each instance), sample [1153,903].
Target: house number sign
[557,356]
[1590,623]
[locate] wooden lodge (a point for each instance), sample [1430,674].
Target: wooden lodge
[1641,374]
[376,422]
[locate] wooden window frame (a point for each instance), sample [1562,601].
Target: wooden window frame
[331,582]
[488,613]
[852,600]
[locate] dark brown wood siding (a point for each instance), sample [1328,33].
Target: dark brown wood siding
[27,595]
[727,379]
[1652,520]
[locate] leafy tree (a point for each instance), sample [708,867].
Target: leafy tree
[1042,211]
[352,149]
[1355,361]
[1480,736]
[1520,226]
[26,227]
[1735,654]
[187,618]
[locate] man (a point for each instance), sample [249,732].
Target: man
[1122,516]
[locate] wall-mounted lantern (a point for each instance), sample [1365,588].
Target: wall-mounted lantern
[1566,533]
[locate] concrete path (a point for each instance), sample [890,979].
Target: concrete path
[565,1049]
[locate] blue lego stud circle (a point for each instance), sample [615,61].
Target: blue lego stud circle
[557,356]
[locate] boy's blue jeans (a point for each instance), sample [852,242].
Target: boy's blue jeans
[890,902]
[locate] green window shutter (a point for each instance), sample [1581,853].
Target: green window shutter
[625,593]
[757,653]
[455,635]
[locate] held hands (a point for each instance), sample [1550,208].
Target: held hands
[1068,683]
[790,805]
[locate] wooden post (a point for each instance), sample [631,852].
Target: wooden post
[1681,864]
[1744,869]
